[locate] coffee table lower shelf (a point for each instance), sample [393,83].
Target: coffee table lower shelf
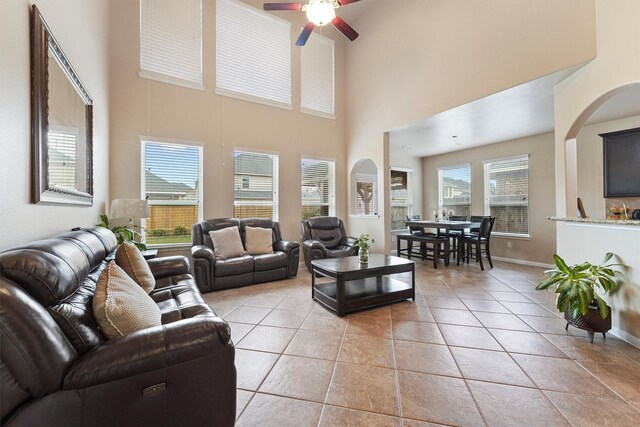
[363,293]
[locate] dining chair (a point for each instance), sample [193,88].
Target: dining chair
[454,234]
[475,219]
[480,241]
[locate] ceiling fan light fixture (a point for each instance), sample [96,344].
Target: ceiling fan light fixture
[320,12]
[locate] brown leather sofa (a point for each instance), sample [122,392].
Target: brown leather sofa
[57,369]
[214,273]
[325,237]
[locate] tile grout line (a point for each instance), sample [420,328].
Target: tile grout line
[335,366]
[274,364]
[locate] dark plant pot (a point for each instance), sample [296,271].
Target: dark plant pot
[592,322]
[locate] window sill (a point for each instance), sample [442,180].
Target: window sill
[375,216]
[322,114]
[170,246]
[512,236]
[254,99]
[151,75]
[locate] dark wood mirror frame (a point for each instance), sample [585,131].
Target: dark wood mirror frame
[42,41]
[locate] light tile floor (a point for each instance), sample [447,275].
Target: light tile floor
[475,348]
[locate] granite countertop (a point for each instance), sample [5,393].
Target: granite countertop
[596,220]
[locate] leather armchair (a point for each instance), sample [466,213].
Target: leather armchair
[57,369]
[325,237]
[213,273]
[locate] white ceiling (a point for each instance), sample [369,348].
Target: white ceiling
[517,112]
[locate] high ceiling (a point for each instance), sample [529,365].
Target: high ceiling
[514,113]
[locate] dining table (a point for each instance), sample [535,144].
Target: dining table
[444,225]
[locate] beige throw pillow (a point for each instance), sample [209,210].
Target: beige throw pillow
[120,306]
[259,240]
[227,243]
[129,258]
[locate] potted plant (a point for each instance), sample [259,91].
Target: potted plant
[576,293]
[124,233]
[364,246]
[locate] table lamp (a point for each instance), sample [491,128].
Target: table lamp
[129,208]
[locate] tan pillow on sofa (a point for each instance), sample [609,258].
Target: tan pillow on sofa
[227,243]
[259,240]
[120,306]
[129,258]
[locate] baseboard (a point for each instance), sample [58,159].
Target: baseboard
[522,261]
[625,336]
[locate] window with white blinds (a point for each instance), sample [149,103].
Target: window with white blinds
[317,93]
[253,54]
[61,146]
[318,188]
[507,194]
[400,198]
[172,182]
[454,189]
[171,41]
[255,185]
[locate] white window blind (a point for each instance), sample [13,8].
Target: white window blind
[454,189]
[61,144]
[400,198]
[318,188]
[171,41]
[507,194]
[255,185]
[318,76]
[172,182]
[253,54]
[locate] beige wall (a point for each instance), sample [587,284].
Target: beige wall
[80,26]
[577,97]
[542,244]
[590,164]
[416,58]
[146,107]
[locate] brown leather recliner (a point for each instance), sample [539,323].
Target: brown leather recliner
[214,273]
[325,237]
[57,369]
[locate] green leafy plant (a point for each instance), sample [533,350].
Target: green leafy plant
[158,232]
[363,242]
[180,230]
[576,285]
[124,233]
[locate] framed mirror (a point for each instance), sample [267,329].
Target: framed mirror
[62,124]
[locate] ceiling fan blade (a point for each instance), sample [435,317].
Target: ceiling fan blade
[344,28]
[304,35]
[282,6]
[346,2]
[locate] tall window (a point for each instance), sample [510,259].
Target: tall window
[506,184]
[172,182]
[171,41]
[318,188]
[400,197]
[454,189]
[366,194]
[253,54]
[318,76]
[255,185]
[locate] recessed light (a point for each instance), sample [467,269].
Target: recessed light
[407,147]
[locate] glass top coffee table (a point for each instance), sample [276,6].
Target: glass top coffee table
[361,286]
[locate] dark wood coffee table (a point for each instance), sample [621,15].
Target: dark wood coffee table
[360,286]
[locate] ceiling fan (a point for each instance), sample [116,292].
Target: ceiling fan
[319,12]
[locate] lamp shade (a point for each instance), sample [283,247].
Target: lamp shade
[129,208]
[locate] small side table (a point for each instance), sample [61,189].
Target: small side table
[150,254]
